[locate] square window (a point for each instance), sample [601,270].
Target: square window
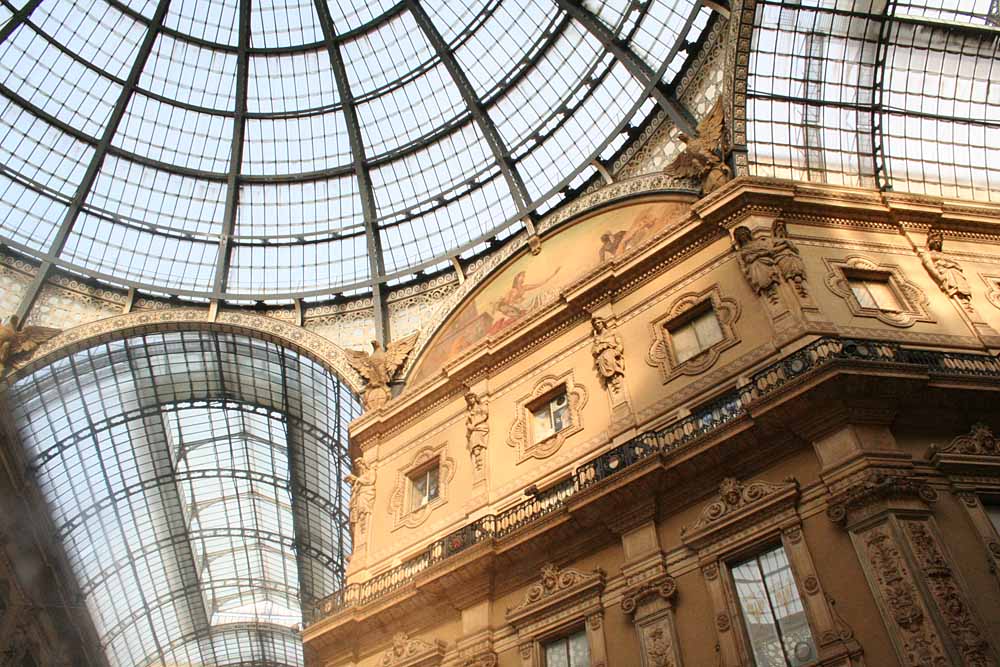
[550,416]
[874,292]
[424,486]
[569,651]
[695,334]
[773,615]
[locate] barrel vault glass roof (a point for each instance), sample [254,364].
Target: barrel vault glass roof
[284,148]
[196,481]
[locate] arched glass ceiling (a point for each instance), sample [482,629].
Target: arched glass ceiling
[898,94]
[284,148]
[196,481]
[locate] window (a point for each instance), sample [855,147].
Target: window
[551,416]
[424,486]
[773,615]
[874,292]
[571,651]
[695,335]
[993,512]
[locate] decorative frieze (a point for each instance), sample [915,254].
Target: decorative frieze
[407,652]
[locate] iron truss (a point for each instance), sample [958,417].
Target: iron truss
[383,242]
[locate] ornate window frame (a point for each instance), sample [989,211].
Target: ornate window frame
[400,502]
[971,462]
[912,300]
[520,434]
[661,353]
[563,600]
[747,518]
[992,288]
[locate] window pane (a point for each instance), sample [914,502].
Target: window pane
[432,483]
[861,293]
[556,654]
[707,327]
[560,413]
[579,650]
[685,341]
[884,297]
[543,423]
[757,616]
[787,606]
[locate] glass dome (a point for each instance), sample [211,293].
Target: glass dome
[277,149]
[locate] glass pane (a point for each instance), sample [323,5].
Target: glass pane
[579,650]
[556,654]
[419,490]
[685,340]
[761,628]
[861,293]
[788,608]
[560,413]
[542,427]
[432,483]
[707,327]
[884,297]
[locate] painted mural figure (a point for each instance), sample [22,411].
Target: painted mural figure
[362,496]
[379,367]
[477,428]
[515,302]
[790,263]
[945,270]
[608,352]
[758,259]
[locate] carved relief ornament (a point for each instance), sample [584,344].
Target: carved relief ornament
[874,487]
[738,505]
[407,652]
[477,432]
[979,441]
[662,586]
[609,358]
[520,435]
[661,353]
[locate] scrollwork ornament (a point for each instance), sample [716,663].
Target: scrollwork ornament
[793,535]
[722,621]
[594,621]
[710,571]
[811,584]
[525,650]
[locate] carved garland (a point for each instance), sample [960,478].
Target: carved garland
[912,300]
[520,434]
[661,353]
[399,502]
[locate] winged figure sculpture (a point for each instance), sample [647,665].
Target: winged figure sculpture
[704,156]
[379,367]
[14,343]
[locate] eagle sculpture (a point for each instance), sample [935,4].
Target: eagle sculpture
[379,367]
[14,343]
[704,157]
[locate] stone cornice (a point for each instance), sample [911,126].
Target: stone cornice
[557,588]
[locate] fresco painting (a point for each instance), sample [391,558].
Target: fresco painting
[533,281]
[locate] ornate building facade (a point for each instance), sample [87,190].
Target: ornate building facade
[724,394]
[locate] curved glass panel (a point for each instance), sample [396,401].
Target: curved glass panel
[196,480]
[195,128]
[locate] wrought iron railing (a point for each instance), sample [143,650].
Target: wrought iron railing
[706,419]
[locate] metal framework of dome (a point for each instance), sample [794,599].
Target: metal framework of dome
[278,149]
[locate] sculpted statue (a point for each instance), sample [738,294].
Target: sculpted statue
[787,256]
[477,428]
[945,270]
[379,367]
[362,496]
[14,343]
[759,262]
[704,157]
[608,353]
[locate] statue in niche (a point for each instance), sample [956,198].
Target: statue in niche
[14,343]
[704,156]
[787,256]
[379,367]
[477,430]
[946,271]
[362,496]
[759,262]
[608,352]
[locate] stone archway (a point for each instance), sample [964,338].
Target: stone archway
[320,349]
